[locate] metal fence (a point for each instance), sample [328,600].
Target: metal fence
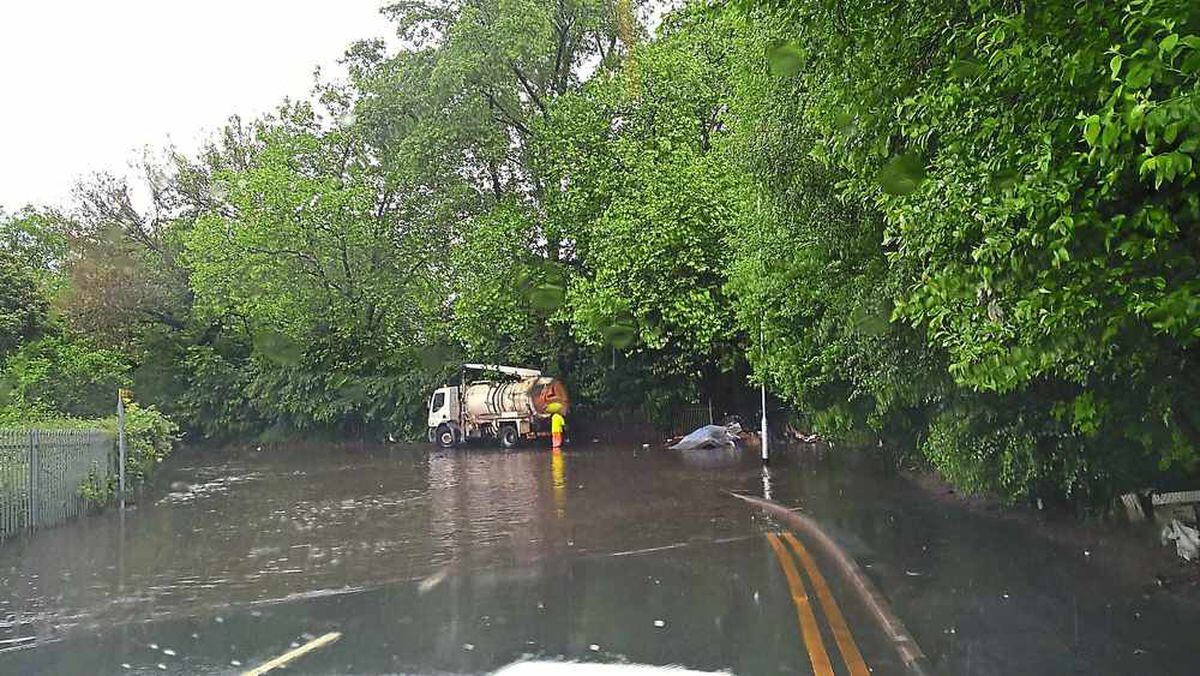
[41,472]
[684,419]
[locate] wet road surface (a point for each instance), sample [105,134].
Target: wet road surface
[464,561]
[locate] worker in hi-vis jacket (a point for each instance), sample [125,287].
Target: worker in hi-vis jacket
[557,422]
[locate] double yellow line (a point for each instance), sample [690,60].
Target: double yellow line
[809,628]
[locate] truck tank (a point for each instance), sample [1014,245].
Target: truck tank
[523,398]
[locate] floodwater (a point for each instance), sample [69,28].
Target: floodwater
[467,560]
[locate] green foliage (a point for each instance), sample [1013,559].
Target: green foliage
[37,241]
[61,376]
[215,403]
[323,290]
[95,490]
[1014,190]
[647,198]
[149,438]
[810,278]
[308,244]
[496,271]
[23,308]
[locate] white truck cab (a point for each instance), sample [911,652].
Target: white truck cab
[443,409]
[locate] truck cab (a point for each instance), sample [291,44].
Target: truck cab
[444,415]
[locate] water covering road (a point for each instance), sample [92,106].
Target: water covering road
[464,561]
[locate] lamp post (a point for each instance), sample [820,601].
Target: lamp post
[766,458]
[762,351]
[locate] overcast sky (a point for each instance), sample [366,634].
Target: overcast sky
[86,84]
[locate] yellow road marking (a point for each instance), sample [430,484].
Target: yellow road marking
[293,654]
[841,631]
[808,621]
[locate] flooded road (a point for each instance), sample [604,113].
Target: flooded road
[464,561]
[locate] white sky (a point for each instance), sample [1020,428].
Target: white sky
[85,85]
[88,85]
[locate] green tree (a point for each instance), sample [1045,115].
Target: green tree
[23,308]
[645,199]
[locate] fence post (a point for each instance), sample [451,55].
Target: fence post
[33,479]
[121,446]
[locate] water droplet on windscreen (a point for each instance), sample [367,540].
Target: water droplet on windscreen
[219,190]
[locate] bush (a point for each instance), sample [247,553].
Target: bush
[149,438]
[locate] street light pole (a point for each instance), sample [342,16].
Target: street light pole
[766,460]
[762,351]
[765,457]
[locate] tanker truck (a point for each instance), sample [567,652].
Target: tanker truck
[508,404]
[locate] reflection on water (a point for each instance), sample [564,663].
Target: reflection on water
[557,470]
[491,506]
[246,526]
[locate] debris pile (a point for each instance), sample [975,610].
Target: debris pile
[709,436]
[1186,539]
[1176,512]
[802,437]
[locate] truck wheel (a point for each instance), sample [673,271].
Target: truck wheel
[446,438]
[509,437]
